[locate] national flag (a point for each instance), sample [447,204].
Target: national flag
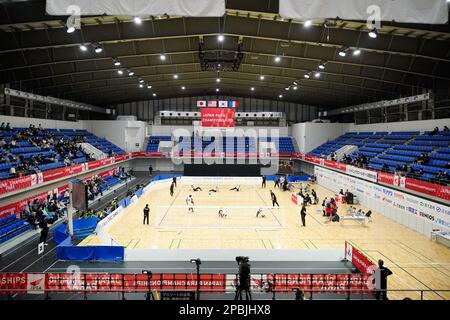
[233,103]
[201,103]
[223,104]
[212,104]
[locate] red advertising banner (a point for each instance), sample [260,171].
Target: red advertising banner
[427,188]
[217,117]
[387,178]
[444,192]
[62,172]
[11,283]
[15,184]
[359,260]
[335,165]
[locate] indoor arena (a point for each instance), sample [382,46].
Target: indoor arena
[265,150]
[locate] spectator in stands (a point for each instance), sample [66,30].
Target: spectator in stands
[8,127]
[435,131]
[333,156]
[2,127]
[12,171]
[385,167]
[446,129]
[420,173]
[410,171]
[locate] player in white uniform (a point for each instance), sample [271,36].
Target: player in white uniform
[222,213]
[190,203]
[260,213]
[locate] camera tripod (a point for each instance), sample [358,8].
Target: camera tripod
[239,289]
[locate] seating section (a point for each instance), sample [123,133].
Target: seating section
[11,227]
[27,149]
[153,142]
[236,145]
[389,151]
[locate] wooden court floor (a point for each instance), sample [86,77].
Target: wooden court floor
[416,261]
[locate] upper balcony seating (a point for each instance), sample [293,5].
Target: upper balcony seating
[239,145]
[396,149]
[26,150]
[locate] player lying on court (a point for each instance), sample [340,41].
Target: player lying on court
[196,188]
[215,189]
[222,213]
[237,188]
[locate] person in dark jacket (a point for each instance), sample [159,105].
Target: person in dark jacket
[146,213]
[303,215]
[44,230]
[381,275]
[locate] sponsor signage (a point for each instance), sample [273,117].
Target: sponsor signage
[361,173]
[217,117]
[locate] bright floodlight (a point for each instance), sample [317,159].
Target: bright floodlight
[220,38]
[373,33]
[137,20]
[307,23]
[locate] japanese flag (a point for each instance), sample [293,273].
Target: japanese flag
[201,103]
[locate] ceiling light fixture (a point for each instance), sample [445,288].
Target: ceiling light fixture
[175,76]
[83,47]
[130,73]
[220,37]
[277,59]
[373,33]
[98,48]
[162,57]
[120,72]
[342,52]
[307,23]
[137,20]
[356,52]
[261,77]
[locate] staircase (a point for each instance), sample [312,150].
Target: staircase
[347,149]
[93,151]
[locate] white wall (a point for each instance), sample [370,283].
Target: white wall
[22,122]
[128,135]
[422,125]
[310,135]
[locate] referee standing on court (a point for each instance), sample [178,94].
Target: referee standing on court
[172,185]
[264,178]
[303,215]
[146,213]
[274,199]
